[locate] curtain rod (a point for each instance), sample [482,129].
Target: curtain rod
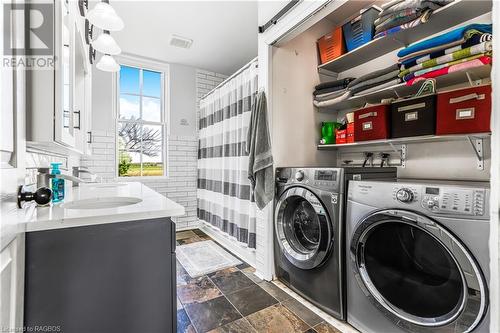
[231,76]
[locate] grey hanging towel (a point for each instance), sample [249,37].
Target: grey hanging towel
[260,157]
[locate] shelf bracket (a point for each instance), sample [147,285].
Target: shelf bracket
[471,80]
[402,150]
[403,156]
[477,145]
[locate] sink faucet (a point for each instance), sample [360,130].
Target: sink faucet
[77,170]
[44,177]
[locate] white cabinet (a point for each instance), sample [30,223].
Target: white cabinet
[11,277]
[59,114]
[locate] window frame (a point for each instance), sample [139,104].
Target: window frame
[154,66]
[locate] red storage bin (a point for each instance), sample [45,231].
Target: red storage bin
[340,136]
[464,111]
[345,135]
[331,46]
[372,123]
[350,133]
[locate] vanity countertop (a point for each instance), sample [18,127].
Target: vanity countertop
[58,215]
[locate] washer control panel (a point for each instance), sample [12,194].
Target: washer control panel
[454,200]
[405,194]
[442,199]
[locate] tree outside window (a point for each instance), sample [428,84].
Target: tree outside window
[141,123]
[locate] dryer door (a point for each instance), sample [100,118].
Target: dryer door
[419,274]
[303,228]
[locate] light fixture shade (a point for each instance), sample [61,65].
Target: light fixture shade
[104,16]
[106,44]
[108,64]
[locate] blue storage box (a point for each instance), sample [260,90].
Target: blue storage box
[361,29]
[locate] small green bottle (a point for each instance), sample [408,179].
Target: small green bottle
[57,184]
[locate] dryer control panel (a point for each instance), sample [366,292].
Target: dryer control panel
[454,200]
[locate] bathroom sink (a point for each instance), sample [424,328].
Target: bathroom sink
[101,203]
[106,185]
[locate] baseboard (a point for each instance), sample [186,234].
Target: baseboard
[244,253]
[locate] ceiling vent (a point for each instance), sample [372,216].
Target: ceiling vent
[181,42]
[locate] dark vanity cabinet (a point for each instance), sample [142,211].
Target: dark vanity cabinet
[116,277]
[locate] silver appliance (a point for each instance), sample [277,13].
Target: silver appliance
[309,231]
[417,256]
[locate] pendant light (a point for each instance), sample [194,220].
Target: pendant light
[108,64]
[104,16]
[106,44]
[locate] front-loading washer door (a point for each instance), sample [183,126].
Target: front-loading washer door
[416,272]
[303,228]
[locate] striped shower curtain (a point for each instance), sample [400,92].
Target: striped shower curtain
[224,196]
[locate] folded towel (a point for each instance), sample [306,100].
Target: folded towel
[420,20]
[396,21]
[361,90]
[414,4]
[443,39]
[373,75]
[332,101]
[404,12]
[471,38]
[327,96]
[333,84]
[260,158]
[459,54]
[390,4]
[484,60]
[387,84]
[421,72]
[376,80]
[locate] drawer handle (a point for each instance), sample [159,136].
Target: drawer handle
[366,115]
[411,116]
[468,113]
[367,126]
[467,98]
[411,107]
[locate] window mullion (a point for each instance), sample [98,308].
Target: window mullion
[141,81]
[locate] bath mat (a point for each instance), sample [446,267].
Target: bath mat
[205,257]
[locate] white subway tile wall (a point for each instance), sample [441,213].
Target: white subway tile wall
[182,160]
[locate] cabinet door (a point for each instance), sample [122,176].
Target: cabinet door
[80,82]
[11,282]
[64,72]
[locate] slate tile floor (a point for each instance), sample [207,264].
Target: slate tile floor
[235,300]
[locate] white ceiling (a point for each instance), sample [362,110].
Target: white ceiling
[224,32]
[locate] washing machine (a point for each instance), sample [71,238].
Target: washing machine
[417,256]
[309,231]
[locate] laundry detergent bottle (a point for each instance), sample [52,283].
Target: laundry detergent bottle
[57,184]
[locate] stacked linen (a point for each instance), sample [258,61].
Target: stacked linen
[375,80]
[465,47]
[330,93]
[399,15]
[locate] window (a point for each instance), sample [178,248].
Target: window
[141,123]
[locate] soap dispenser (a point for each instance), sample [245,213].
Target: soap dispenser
[57,184]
